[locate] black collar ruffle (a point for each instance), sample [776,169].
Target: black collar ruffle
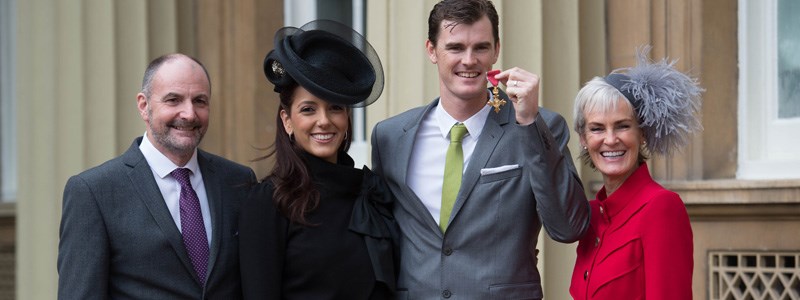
[372,211]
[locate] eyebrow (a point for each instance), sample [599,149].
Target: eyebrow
[615,122]
[482,44]
[451,45]
[180,96]
[172,94]
[306,102]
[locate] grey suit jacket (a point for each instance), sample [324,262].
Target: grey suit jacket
[489,248]
[118,240]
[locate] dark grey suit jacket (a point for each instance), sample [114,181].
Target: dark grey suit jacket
[518,179]
[118,240]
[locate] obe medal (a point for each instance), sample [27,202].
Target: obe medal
[495,102]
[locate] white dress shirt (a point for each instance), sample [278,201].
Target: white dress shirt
[426,167]
[169,186]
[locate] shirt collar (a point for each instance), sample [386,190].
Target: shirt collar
[474,124]
[160,163]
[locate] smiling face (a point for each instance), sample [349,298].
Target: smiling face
[177,109]
[612,138]
[463,54]
[319,127]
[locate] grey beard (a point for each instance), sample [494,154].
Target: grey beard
[165,140]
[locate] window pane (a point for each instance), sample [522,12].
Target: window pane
[8,136]
[788,59]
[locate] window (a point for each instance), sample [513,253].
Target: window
[8,149]
[788,59]
[769,89]
[349,12]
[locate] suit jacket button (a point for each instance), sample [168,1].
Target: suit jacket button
[446,294]
[447,251]
[585,275]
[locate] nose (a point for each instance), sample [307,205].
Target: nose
[469,58]
[610,137]
[324,119]
[187,110]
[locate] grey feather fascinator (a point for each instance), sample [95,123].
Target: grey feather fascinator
[666,101]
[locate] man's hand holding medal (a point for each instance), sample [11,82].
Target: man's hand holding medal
[522,88]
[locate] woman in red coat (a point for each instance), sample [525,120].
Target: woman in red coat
[639,244]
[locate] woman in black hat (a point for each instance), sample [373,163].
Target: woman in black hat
[316,227]
[639,243]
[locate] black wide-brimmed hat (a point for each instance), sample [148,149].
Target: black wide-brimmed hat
[329,59]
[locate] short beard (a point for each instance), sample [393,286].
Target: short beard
[163,138]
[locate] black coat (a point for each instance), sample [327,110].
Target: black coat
[347,252]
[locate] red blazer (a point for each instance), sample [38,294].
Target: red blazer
[639,244]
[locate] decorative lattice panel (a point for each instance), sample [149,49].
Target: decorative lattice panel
[753,275]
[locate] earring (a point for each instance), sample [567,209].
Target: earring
[584,148]
[345,136]
[291,137]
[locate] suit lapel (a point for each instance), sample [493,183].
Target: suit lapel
[141,176]
[487,143]
[213,184]
[406,144]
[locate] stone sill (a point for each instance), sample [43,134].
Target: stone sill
[735,200]
[731,191]
[730,200]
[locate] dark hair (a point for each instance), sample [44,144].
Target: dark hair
[295,194]
[156,64]
[462,12]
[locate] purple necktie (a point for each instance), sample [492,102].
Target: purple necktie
[192,227]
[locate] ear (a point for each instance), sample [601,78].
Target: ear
[141,104]
[582,140]
[287,122]
[496,52]
[431,48]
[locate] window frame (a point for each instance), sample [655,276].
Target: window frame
[764,150]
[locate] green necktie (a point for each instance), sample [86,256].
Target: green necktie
[453,169]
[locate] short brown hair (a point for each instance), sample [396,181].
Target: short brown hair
[462,12]
[156,64]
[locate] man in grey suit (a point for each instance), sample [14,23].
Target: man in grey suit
[517,170]
[159,221]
